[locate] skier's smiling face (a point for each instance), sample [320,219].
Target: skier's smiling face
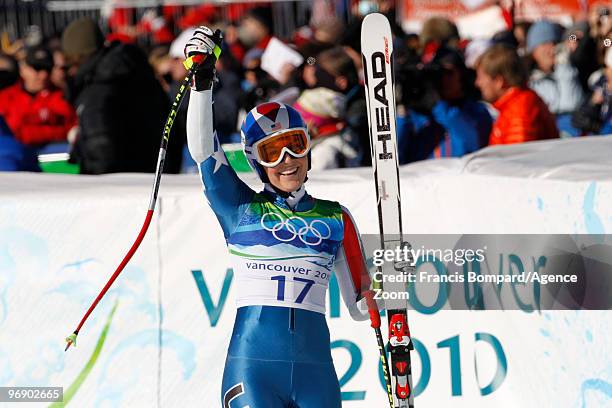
[289,174]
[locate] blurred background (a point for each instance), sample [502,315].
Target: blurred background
[85,85]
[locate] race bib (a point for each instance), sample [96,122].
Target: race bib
[285,258]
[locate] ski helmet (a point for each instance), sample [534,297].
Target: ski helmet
[264,120]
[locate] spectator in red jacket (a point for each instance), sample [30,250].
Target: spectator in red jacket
[523,116]
[34,109]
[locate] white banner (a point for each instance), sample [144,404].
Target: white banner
[62,236]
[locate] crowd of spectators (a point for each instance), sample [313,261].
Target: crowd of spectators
[106,97]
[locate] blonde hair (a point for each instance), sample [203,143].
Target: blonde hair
[502,60]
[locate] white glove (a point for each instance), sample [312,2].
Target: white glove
[203,41]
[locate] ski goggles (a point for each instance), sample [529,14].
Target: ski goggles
[270,150]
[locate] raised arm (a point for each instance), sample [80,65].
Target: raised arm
[227,194]
[351,270]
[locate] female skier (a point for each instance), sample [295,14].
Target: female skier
[284,244]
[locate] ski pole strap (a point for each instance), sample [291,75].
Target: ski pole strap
[198,59]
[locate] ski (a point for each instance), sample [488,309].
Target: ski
[377,56]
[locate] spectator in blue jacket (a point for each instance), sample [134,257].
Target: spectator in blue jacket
[456,124]
[14,156]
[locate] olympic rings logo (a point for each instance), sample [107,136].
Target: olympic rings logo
[310,234]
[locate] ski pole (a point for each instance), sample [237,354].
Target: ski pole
[375,323]
[191,64]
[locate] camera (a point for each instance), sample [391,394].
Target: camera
[418,82]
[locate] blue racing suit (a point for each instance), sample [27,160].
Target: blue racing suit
[284,249]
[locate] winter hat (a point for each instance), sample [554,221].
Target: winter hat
[82,38]
[39,58]
[505,37]
[440,30]
[540,33]
[320,106]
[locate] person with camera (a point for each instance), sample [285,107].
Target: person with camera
[444,117]
[594,117]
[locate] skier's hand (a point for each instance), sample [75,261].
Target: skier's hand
[203,43]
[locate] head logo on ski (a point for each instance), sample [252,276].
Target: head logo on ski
[383,127]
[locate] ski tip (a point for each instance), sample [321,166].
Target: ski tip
[375,18]
[373,27]
[70,340]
